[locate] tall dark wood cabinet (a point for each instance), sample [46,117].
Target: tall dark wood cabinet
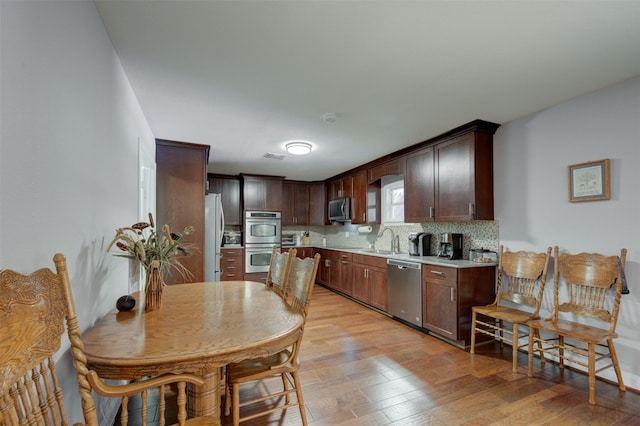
[181,175]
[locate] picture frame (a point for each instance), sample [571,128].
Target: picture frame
[589,181]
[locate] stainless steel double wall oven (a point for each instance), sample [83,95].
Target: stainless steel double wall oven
[262,230]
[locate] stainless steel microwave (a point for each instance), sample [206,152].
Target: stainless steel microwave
[339,210]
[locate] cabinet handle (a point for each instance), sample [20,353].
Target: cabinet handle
[471,209]
[344,262]
[437,272]
[364,217]
[430,212]
[452,299]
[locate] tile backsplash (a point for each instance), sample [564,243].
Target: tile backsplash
[477,234]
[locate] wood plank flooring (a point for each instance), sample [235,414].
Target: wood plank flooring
[359,367]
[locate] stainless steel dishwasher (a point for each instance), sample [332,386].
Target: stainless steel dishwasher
[404,288]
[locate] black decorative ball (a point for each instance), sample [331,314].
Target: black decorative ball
[126,303]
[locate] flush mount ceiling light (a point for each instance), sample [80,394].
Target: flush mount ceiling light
[298,148]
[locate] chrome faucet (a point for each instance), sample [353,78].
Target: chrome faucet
[395,240]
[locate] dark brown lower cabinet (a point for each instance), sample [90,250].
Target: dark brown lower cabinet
[232,264]
[449,294]
[369,280]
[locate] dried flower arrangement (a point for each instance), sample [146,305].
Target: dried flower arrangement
[143,243]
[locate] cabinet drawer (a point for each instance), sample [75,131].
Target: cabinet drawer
[375,261]
[442,273]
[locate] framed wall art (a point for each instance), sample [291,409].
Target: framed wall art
[589,181]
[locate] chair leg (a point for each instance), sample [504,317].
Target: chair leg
[592,374]
[561,351]
[501,328]
[296,382]
[539,340]
[616,365]
[227,397]
[236,403]
[285,387]
[530,353]
[473,332]
[514,346]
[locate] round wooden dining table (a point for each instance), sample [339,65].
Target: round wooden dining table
[199,328]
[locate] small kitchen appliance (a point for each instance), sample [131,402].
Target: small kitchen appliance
[232,239]
[450,246]
[482,255]
[419,243]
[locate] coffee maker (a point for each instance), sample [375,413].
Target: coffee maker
[419,243]
[450,246]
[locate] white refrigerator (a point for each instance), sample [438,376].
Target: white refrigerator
[213,229]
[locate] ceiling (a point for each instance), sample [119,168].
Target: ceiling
[246,76]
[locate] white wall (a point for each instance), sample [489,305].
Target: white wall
[531,156]
[68,153]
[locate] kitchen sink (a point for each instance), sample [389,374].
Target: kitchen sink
[379,251]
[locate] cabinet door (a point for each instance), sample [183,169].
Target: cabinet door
[262,193]
[440,314]
[288,202]
[344,273]
[359,197]
[359,282]
[300,204]
[317,204]
[377,280]
[419,189]
[464,178]
[455,185]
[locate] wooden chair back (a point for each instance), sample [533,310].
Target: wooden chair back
[588,277]
[522,277]
[302,278]
[279,271]
[33,310]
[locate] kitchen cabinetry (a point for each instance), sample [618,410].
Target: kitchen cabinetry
[262,192]
[295,203]
[464,178]
[231,264]
[359,197]
[322,276]
[449,294]
[335,270]
[451,180]
[388,168]
[369,280]
[419,187]
[181,175]
[353,186]
[229,189]
[340,187]
[317,204]
[344,273]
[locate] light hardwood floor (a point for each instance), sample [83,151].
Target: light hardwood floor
[359,367]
